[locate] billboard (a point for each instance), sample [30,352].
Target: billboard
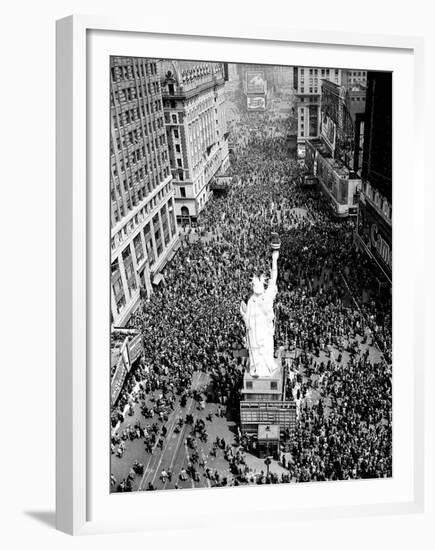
[375,233]
[118,379]
[329,131]
[255,82]
[130,351]
[135,348]
[301,150]
[256,103]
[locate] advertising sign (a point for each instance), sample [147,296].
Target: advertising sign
[118,379]
[255,82]
[135,348]
[124,354]
[257,103]
[301,150]
[375,233]
[329,131]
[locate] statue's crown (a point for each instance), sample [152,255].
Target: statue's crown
[260,279]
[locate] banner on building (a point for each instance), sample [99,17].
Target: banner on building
[329,131]
[256,103]
[135,348]
[118,379]
[125,355]
[375,233]
[255,82]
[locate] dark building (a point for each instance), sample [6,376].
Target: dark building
[376,167]
[374,231]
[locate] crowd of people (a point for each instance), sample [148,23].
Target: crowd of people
[328,305]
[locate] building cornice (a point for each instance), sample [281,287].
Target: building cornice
[192,92]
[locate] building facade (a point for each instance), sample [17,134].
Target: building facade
[333,156]
[374,231]
[357,77]
[196,129]
[143,226]
[307,83]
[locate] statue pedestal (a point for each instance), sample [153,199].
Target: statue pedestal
[264,388]
[265,410]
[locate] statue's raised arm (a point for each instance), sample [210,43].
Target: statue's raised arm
[274,270]
[275,245]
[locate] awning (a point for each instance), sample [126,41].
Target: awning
[174,250]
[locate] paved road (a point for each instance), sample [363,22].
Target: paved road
[175,454]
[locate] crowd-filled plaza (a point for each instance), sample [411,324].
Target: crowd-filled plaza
[176,423]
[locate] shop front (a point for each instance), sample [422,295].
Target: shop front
[374,234]
[268,440]
[124,358]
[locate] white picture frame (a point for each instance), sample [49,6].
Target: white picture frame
[83,44]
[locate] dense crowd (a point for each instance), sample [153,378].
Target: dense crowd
[327,302]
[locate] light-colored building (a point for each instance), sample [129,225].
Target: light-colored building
[196,129]
[232,72]
[143,227]
[307,83]
[357,77]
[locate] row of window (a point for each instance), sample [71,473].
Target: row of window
[199,107]
[138,178]
[122,294]
[273,385]
[131,113]
[131,93]
[310,100]
[314,71]
[139,165]
[122,70]
[137,137]
[120,122]
[311,90]
[139,218]
[122,204]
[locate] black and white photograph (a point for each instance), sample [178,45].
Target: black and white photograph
[251,274]
[216,310]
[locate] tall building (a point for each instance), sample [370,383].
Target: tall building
[307,83]
[232,72]
[196,129]
[143,227]
[374,232]
[357,77]
[333,156]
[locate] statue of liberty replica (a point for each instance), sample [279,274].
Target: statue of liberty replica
[259,319]
[266,416]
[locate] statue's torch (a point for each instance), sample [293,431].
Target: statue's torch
[275,243]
